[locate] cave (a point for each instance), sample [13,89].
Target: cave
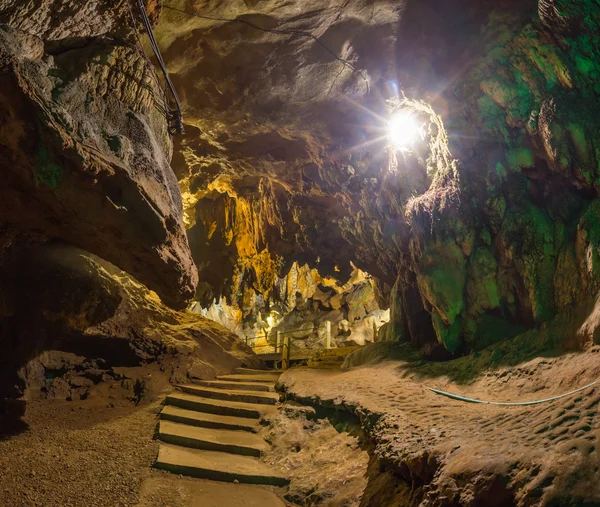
[337,252]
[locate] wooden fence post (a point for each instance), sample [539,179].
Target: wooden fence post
[285,353]
[327,334]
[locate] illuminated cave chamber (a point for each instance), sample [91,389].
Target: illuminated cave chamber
[303,305]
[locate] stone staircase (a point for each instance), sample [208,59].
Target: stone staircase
[209,429]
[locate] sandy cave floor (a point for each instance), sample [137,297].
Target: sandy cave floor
[78,453]
[99,452]
[542,454]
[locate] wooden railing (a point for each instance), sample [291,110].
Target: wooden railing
[284,342]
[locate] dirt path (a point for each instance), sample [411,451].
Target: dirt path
[78,453]
[442,452]
[465,453]
[101,452]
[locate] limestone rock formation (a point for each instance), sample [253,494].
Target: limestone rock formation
[484,228]
[299,306]
[78,321]
[264,168]
[84,143]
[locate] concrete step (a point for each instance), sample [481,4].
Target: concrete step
[245,386]
[250,371]
[230,395]
[339,352]
[328,355]
[255,377]
[188,492]
[210,439]
[220,407]
[217,466]
[206,420]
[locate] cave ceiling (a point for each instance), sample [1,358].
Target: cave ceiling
[271,119]
[284,155]
[489,221]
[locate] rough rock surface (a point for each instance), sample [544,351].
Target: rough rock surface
[300,305]
[76,324]
[325,464]
[485,228]
[84,143]
[435,451]
[264,170]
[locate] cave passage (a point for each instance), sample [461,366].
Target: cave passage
[334,252]
[305,314]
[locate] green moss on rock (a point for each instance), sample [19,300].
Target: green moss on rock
[481,287]
[491,329]
[529,238]
[47,172]
[519,158]
[441,279]
[448,336]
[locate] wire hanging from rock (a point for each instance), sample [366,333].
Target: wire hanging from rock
[164,108]
[174,116]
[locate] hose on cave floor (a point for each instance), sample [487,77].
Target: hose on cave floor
[510,404]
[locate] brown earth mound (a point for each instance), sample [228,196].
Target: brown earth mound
[445,452]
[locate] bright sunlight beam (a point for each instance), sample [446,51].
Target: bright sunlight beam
[403,130]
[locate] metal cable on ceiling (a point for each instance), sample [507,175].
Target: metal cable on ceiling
[174,116]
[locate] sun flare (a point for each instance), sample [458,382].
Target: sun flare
[403,130]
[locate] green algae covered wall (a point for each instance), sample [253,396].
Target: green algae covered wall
[523,245]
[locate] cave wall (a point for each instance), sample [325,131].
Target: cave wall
[486,228]
[77,324]
[86,179]
[84,146]
[518,246]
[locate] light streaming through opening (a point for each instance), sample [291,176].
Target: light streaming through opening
[403,130]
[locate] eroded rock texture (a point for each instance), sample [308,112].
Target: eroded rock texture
[84,143]
[78,321]
[486,227]
[265,168]
[302,305]
[518,249]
